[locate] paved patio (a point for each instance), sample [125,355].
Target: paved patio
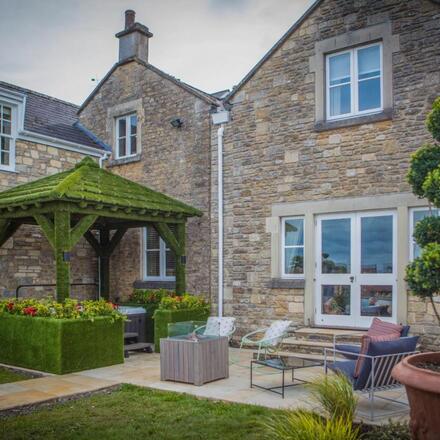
[144,370]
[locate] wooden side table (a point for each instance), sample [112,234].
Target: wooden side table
[185,360]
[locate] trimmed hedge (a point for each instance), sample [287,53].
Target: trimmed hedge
[163,317]
[61,346]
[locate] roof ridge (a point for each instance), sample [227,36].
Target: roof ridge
[43,95]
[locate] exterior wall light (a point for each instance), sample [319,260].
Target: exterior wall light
[176,122]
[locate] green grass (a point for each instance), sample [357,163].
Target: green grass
[133,412]
[7,376]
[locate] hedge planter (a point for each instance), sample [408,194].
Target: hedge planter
[163,317]
[423,390]
[60,345]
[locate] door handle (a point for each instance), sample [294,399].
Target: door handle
[352,279]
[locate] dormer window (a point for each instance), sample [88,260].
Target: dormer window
[126,136]
[354,82]
[7,138]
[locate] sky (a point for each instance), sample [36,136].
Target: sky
[57,46]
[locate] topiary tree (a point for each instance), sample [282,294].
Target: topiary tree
[423,273]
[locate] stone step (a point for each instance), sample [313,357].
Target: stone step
[327,334]
[304,346]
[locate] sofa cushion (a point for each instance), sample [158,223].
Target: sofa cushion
[349,348]
[343,367]
[365,344]
[379,328]
[400,345]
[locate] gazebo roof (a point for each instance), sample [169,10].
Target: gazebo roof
[89,186]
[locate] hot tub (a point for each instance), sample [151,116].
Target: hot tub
[136,322]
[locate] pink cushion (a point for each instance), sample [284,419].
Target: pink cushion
[379,328]
[366,339]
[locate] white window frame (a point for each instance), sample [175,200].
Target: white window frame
[412,242]
[12,137]
[127,136]
[283,249]
[354,81]
[162,260]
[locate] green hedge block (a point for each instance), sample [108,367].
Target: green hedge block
[60,346]
[163,317]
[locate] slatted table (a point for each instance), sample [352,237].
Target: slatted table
[183,359]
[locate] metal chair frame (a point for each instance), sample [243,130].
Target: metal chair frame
[379,378]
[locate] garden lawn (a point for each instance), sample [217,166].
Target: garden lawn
[133,412]
[7,375]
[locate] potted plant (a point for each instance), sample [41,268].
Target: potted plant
[420,373]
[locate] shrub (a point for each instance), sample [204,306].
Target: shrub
[427,231]
[433,120]
[335,395]
[70,309]
[186,301]
[306,425]
[390,431]
[150,297]
[423,161]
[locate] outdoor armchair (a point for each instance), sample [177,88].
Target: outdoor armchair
[373,374]
[271,338]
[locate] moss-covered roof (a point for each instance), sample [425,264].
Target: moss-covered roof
[88,184]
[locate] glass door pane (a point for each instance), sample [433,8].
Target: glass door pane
[335,300]
[377,301]
[336,246]
[377,244]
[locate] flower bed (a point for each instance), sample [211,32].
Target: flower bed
[60,338]
[178,309]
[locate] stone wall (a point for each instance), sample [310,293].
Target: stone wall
[273,153]
[27,258]
[173,161]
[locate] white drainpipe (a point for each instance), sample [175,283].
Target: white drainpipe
[104,157]
[220,118]
[220,133]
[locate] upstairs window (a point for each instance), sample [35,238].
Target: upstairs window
[160,261]
[126,136]
[354,82]
[7,141]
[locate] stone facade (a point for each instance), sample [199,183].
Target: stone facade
[27,257]
[274,153]
[175,161]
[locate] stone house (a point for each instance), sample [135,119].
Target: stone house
[317,211]
[317,214]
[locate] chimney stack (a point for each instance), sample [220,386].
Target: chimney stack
[133,40]
[130,16]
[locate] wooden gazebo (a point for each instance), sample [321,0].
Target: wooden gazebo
[99,205]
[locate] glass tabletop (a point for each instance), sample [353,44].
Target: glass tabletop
[288,362]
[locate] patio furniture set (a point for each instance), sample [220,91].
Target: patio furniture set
[201,356]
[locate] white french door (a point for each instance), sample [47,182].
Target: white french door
[355,268]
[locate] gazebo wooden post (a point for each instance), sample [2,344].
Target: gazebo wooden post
[62,247]
[181,259]
[104,264]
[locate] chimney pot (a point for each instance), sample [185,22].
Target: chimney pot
[130,17]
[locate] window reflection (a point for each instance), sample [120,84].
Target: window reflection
[336,246]
[335,300]
[377,301]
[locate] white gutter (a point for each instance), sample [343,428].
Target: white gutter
[104,157]
[220,118]
[58,143]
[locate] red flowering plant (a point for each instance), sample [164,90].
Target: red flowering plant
[69,309]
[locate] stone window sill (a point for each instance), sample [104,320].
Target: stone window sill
[143,284]
[125,160]
[360,120]
[287,283]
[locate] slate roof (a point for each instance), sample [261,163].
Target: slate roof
[53,117]
[88,183]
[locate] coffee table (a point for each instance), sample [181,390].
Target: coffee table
[283,364]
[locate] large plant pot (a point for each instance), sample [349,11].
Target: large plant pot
[423,390]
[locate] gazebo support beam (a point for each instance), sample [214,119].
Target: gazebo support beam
[62,247]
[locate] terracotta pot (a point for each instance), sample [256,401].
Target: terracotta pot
[423,390]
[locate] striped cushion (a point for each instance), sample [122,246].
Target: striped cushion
[365,343]
[380,328]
